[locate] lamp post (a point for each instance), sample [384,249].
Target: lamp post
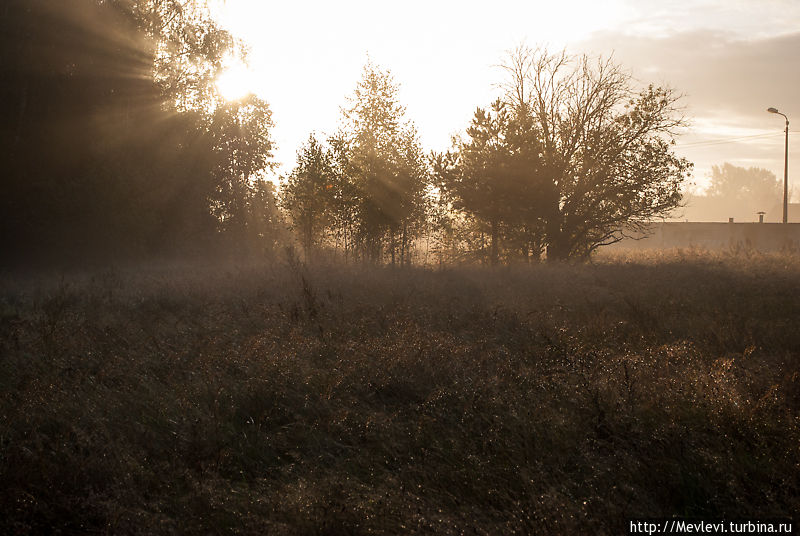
[785,167]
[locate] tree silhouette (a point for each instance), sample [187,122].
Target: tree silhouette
[241,149]
[742,192]
[308,195]
[494,175]
[606,158]
[103,156]
[387,167]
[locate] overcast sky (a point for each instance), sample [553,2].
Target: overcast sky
[731,58]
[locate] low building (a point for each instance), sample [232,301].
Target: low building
[757,236]
[775,215]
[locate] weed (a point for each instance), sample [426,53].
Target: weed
[295,399]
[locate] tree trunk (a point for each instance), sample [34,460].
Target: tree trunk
[495,257]
[308,240]
[403,246]
[557,249]
[347,244]
[555,253]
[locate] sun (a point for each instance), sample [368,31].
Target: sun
[235,82]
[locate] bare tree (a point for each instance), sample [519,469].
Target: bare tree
[606,158]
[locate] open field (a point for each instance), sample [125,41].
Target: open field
[286,399]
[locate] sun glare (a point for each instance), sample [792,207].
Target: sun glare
[235,83]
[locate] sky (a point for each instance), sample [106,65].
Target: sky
[731,59]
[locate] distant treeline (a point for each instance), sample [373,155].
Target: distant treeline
[739,193]
[117,144]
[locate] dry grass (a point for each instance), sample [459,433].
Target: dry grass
[289,400]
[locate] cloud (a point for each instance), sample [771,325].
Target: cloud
[744,18]
[728,82]
[719,73]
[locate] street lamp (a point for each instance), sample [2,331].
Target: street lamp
[785,167]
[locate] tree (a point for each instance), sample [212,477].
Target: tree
[308,195]
[606,160]
[736,192]
[266,228]
[757,185]
[242,150]
[741,192]
[91,158]
[191,49]
[387,167]
[191,54]
[103,153]
[344,200]
[493,175]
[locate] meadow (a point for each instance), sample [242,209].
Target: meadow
[285,398]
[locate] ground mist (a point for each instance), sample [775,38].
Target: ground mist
[292,399]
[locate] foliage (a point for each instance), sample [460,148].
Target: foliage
[105,157]
[386,165]
[309,193]
[571,157]
[241,149]
[606,150]
[494,175]
[737,183]
[344,198]
[191,49]
[364,190]
[741,192]
[265,229]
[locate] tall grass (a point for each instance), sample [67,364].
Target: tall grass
[287,399]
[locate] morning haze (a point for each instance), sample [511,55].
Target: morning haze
[722,55]
[427,268]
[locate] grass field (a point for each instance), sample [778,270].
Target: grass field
[286,399]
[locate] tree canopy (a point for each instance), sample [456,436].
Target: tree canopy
[737,192]
[744,191]
[494,175]
[115,141]
[365,189]
[119,144]
[586,154]
[309,194]
[386,166]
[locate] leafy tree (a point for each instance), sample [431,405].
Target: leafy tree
[493,174]
[387,166]
[242,149]
[191,54]
[308,195]
[103,154]
[191,49]
[736,192]
[266,229]
[453,235]
[741,192]
[606,156]
[84,135]
[344,200]
[758,185]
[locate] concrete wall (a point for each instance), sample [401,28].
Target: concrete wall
[758,236]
